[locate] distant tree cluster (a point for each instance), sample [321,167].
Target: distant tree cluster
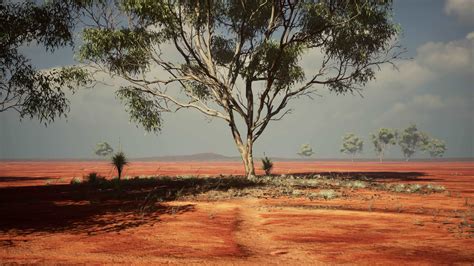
[410,140]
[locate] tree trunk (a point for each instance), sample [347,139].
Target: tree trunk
[250,163]
[246,152]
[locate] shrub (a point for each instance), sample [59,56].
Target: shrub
[357,184]
[414,188]
[267,165]
[119,161]
[399,188]
[435,188]
[76,181]
[328,194]
[94,177]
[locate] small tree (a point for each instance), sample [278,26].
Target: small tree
[305,151]
[382,139]
[267,165]
[410,139]
[434,147]
[119,161]
[351,144]
[103,149]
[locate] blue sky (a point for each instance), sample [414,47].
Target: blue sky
[432,89]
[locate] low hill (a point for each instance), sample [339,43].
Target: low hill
[207,156]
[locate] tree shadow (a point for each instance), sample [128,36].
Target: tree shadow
[4,179]
[97,208]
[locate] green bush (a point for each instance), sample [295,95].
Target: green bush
[94,178]
[399,188]
[76,181]
[414,188]
[435,188]
[328,194]
[119,161]
[356,184]
[267,165]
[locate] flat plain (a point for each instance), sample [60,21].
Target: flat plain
[46,220]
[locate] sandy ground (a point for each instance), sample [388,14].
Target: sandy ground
[49,224]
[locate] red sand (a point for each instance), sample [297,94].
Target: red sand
[42,225]
[455,175]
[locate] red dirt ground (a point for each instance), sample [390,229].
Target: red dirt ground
[45,224]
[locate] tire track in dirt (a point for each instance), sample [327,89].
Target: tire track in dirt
[255,237]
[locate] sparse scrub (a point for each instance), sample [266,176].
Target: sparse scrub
[413,188]
[399,188]
[327,194]
[436,188]
[356,184]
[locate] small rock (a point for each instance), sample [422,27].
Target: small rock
[278,252]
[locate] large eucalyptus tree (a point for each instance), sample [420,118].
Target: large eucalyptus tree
[238,60]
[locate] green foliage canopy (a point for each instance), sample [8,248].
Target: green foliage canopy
[103,149]
[305,150]
[352,144]
[28,91]
[267,165]
[119,161]
[434,147]
[253,40]
[382,140]
[411,139]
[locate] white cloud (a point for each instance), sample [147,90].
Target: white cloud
[433,60]
[428,101]
[421,108]
[409,75]
[453,56]
[462,9]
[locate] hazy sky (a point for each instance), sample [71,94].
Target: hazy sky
[434,90]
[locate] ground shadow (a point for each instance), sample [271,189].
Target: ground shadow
[22,178]
[95,208]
